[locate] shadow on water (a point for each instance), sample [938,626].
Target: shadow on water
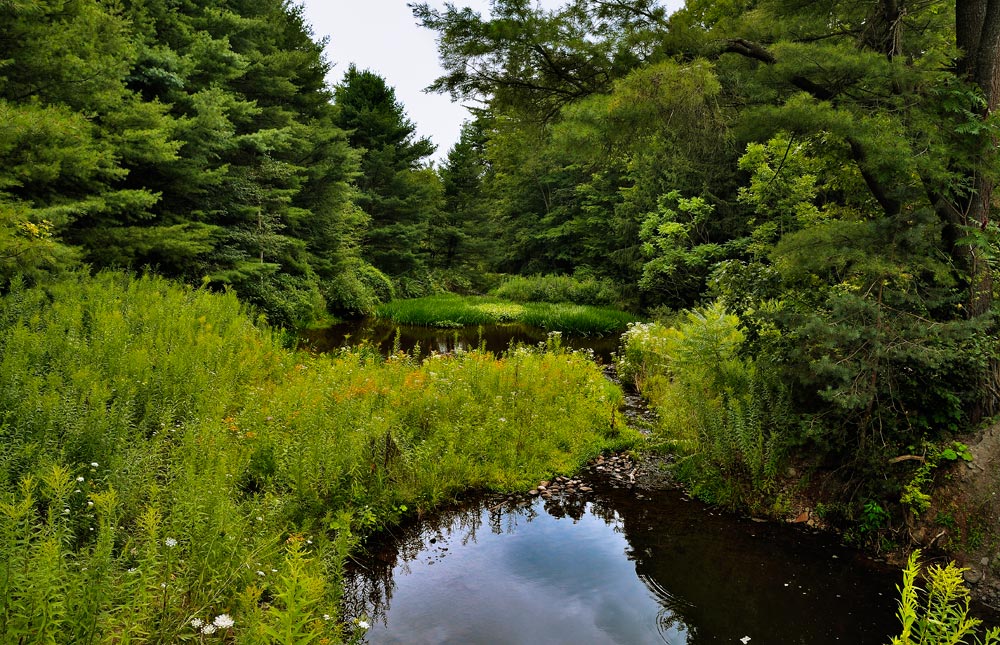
[495,338]
[617,568]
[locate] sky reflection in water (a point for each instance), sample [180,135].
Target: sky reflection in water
[619,570]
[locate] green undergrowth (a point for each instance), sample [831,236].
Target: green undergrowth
[559,288]
[167,463]
[455,311]
[722,413]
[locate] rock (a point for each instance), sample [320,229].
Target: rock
[533,492]
[801,517]
[985,562]
[972,576]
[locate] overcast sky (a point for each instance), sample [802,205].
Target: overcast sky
[381,35]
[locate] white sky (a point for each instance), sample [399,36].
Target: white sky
[382,35]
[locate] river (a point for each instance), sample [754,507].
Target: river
[616,564]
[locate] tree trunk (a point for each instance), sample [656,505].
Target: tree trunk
[977,32]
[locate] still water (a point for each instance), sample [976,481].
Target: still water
[617,568]
[495,338]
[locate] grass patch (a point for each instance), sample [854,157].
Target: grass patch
[455,311]
[559,288]
[165,460]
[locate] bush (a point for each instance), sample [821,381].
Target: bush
[726,412]
[357,290]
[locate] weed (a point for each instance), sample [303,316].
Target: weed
[160,448]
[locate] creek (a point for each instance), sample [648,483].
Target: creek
[618,563]
[617,567]
[381,334]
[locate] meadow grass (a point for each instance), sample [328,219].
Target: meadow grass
[454,311]
[558,288]
[169,472]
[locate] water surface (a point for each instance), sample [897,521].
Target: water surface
[618,569]
[495,338]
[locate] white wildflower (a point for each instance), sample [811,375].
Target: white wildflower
[170,542]
[80,478]
[363,624]
[261,573]
[197,622]
[326,616]
[208,629]
[223,621]
[94,464]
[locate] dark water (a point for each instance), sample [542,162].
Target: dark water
[617,569]
[495,338]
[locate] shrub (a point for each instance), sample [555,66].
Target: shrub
[725,411]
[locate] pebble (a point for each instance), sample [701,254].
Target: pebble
[972,576]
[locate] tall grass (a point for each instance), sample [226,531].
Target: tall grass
[455,311]
[169,472]
[725,412]
[559,288]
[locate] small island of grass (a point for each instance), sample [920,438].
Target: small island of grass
[451,310]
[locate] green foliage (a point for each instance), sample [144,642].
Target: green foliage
[149,137]
[167,464]
[559,288]
[399,196]
[915,495]
[454,311]
[938,613]
[728,414]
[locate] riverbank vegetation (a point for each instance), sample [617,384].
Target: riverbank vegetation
[801,194]
[167,460]
[454,311]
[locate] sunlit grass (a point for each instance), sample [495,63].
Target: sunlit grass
[166,461]
[455,311]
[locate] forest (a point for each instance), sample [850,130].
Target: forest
[784,206]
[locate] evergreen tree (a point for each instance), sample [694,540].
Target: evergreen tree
[399,197]
[461,236]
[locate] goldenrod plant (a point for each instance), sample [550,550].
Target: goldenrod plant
[938,613]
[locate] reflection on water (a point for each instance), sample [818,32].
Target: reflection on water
[494,338]
[617,569]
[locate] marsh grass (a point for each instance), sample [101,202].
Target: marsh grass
[455,311]
[166,461]
[559,288]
